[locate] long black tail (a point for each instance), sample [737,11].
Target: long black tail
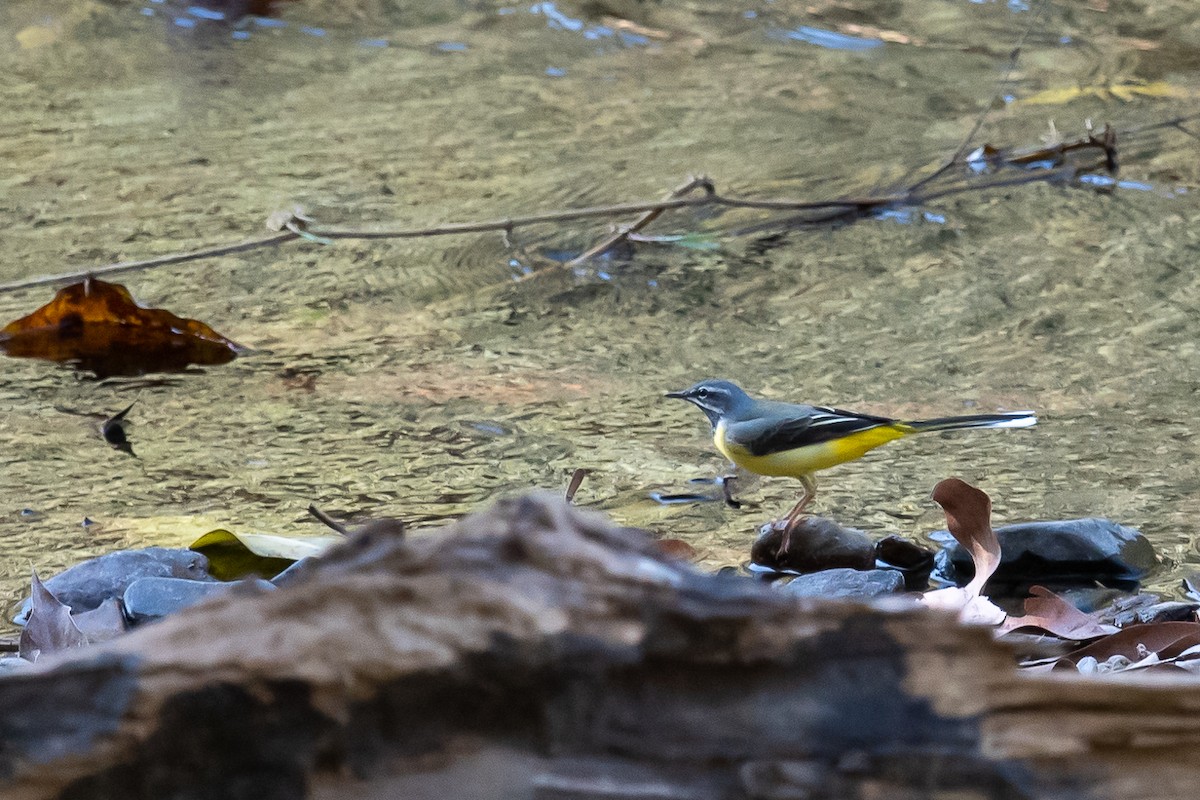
[1013,419]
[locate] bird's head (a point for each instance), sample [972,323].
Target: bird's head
[716,398]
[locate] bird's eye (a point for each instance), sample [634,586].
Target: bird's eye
[702,393]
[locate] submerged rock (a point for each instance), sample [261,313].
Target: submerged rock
[846,583]
[86,586]
[913,560]
[148,599]
[815,544]
[1067,551]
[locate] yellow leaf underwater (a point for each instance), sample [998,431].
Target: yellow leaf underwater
[1122,91]
[36,36]
[236,555]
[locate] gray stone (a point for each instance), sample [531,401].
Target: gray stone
[293,572]
[85,586]
[11,663]
[148,599]
[846,583]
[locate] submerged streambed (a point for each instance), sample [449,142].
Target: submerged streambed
[418,379]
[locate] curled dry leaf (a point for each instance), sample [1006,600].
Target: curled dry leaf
[968,518]
[50,627]
[97,326]
[1051,613]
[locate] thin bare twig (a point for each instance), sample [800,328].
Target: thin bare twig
[160,261]
[1179,126]
[621,234]
[293,231]
[291,226]
[328,520]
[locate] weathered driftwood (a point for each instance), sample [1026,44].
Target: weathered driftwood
[535,651]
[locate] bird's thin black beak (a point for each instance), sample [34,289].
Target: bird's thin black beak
[677,395]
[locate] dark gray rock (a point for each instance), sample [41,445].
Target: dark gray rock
[85,586]
[815,544]
[148,599]
[1062,552]
[914,560]
[846,583]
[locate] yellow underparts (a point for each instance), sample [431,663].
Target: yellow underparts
[812,458]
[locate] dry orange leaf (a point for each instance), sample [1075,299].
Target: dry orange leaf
[1053,614]
[97,326]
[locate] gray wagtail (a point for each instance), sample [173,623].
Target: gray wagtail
[794,440]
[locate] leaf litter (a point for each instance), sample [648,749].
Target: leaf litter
[1102,648]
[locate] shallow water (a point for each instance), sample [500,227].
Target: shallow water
[416,378]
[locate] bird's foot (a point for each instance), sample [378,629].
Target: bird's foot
[787,525]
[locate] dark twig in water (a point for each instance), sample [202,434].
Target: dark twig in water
[113,430]
[1176,123]
[727,482]
[294,230]
[328,520]
[1179,126]
[576,479]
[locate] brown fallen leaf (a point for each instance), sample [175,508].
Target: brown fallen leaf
[97,326]
[1051,613]
[50,627]
[102,623]
[969,519]
[1167,639]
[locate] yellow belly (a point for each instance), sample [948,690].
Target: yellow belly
[806,460]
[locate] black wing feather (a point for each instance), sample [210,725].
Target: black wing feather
[764,437]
